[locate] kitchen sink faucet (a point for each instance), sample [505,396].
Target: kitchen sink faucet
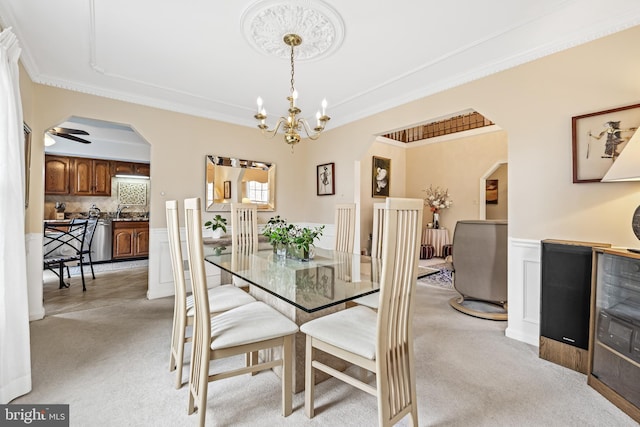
[119,211]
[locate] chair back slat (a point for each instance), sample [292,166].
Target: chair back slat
[177,266]
[400,249]
[244,225]
[345,219]
[378,229]
[202,324]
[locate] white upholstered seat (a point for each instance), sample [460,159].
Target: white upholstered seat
[242,330]
[379,342]
[221,298]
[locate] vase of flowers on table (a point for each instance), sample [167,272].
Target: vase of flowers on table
[277,231]
[301,241]
[437,199]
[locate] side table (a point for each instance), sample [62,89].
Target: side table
[437,237]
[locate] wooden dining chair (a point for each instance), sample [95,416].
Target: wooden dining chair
[242,330]
[382,341]
[221,298]
[345,222]
[244,225]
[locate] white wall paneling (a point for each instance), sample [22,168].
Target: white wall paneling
[524,291]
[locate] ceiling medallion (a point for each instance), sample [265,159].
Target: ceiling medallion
[266,22]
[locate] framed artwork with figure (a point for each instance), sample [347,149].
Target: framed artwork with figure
[599,138]
[380,177]
[325,175]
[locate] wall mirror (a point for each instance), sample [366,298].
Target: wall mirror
[232,180]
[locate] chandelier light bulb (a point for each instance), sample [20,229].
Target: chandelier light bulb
[318,118]
[324,106]
[259,101]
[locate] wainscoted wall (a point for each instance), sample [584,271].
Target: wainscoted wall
[33,245]
[524,291]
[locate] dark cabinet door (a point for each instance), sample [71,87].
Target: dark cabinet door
[56,175]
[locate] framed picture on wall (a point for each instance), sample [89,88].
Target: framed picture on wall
[491,191]
[380,177]
[599,138]
[27,162]
[227,189]
[325,177]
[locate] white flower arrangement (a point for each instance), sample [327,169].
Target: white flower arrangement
[437,199]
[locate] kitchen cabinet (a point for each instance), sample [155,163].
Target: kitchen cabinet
[614,342]
[130,239]
[130,168]
[90,177]
[56,174]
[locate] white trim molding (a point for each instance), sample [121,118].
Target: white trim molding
[524,291]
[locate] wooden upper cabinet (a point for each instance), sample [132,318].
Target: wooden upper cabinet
[143,169]
[122,168]
[102,177]
[79,176]
[56,175]
[90,177]
[130,168]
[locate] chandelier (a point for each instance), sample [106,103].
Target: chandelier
[292,124]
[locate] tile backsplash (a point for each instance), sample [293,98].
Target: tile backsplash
[137,191]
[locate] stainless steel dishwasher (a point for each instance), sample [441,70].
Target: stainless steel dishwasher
[102,237]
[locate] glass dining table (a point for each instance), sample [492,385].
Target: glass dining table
[301,290]
[329,279]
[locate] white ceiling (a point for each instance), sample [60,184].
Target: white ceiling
[193,57]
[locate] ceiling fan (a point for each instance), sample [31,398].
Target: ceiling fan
[70,134]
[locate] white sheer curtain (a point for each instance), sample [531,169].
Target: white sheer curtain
[15,358]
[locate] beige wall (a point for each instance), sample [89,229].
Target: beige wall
[458,165]
[533,103]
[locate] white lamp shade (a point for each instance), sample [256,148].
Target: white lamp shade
[627,166]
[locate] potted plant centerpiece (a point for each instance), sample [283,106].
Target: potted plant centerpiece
[301,241]
[277,231]
[217,225]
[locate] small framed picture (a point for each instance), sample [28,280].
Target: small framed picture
[492,191]
[325,175]
[380,177]
[227,189]
[599,138]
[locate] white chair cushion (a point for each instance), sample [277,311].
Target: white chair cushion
[371,300]
[353,330]
[222,298]
[249,323]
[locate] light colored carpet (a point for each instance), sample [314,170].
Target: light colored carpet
[111,365]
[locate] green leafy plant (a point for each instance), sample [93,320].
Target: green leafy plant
[217,222]
[302,238]
[277,231]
